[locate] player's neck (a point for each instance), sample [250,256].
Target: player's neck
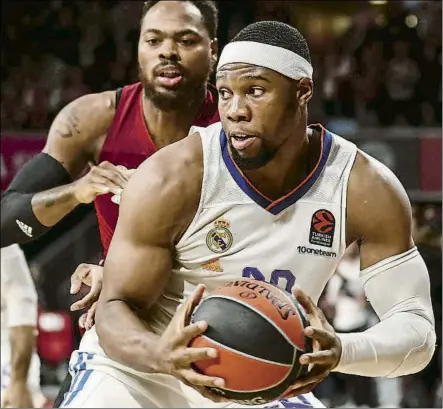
[167,127]
[290,165]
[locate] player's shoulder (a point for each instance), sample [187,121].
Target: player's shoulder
[376,199]
[175,168]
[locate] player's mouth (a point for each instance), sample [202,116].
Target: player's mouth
[169,76]
[242,141]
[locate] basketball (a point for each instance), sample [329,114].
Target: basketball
[257,330]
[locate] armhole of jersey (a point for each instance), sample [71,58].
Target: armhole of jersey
[344,197]
[118,94]
[191,227]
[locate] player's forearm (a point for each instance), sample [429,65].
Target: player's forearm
[399,345]
[403,342]
[24,212]
[128,342]
[22,346]
[52,205]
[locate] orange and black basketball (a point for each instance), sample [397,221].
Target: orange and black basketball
[258,332]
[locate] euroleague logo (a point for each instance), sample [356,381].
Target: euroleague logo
[322,228]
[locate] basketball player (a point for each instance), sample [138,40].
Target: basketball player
[105,134]
[109,134]
[259,195]
[20,364]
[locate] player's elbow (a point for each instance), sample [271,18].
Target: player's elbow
[419,356]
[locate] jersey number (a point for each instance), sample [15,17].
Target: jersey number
[256,274]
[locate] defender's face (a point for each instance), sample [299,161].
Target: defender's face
[174,52]
[257,107]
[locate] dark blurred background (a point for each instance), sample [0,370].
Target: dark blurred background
[377,77]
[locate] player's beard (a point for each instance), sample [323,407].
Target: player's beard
[263,157]
[189,92]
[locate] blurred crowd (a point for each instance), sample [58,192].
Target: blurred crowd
[346,307]
[384,68]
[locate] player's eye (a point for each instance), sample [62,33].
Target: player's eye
[223,93]
[152,41]
[256,91]
[187,41]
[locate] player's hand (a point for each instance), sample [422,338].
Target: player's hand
[176,358]
[17,395]
[101,179]
[327,347]
[92,276]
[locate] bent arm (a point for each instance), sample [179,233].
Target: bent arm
[156,206]
[42,194]
[395,280]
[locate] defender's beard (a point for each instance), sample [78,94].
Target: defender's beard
[189,92]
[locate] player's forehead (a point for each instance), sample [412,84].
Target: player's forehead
[171,17]
[242,71]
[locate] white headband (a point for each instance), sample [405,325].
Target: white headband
[275,58]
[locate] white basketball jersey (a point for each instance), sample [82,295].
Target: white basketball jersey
[238,232]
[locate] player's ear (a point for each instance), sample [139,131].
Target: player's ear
[305,91]
[214,52]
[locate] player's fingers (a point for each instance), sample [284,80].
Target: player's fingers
[82,321]
[323,337]
[192,302]
[304,300]
[301,391]
[115,172]
[90,316]
[186,356]
[321,357]
[191,331]
[316,374]
[78,276]
[194,378]
[85,302]
[100,189]
[100,181]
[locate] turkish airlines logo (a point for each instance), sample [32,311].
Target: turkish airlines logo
[322,228]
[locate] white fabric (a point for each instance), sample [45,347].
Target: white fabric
[18,308]
[96,384]
[403,342]
[275,58]
[276,246]
[18,294]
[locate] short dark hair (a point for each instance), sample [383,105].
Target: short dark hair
[277,34]
[207,8]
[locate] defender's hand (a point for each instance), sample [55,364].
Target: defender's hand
[101,179]
[176,358]
[327,347]
[92,276]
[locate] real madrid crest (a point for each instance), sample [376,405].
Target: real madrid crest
[219,239]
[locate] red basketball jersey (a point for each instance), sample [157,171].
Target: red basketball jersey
[129,143]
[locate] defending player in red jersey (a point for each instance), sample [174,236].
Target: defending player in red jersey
[95,139]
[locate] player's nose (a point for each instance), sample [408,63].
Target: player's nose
[169,51]
[238,110]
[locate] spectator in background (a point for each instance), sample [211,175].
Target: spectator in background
[402,76]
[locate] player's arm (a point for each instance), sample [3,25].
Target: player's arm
[158,204]
[394,276]
[43,191]
[20,300]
